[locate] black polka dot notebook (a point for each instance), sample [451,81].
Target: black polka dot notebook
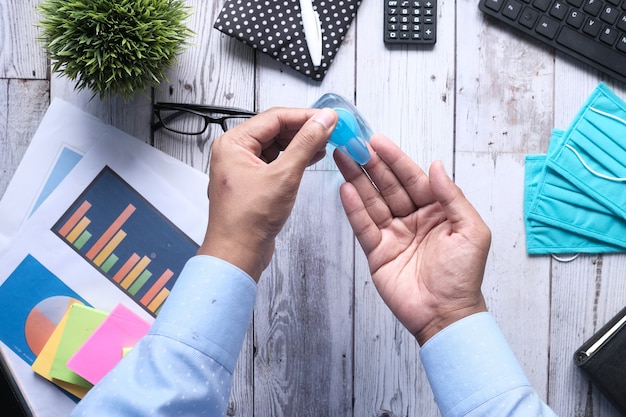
[275,28]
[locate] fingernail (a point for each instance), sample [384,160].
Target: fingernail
[443,168]
[326,117]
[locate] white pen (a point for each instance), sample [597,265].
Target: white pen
[312,31]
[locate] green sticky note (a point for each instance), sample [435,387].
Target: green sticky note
[81,323]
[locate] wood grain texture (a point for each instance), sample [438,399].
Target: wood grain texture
[303,335]
[26,103]
[21,55]
[303,328]
[505,111]
[322,343]
[408,95]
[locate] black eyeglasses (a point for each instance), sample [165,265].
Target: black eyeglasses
[193,119]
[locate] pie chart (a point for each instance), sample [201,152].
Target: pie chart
[43,319]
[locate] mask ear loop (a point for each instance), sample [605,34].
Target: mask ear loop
[582,161]
[570,259]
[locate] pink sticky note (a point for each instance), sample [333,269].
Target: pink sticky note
[103,350]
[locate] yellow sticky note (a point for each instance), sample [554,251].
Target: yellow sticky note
[43,363]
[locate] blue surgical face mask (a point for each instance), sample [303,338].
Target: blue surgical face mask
[559,218]
[575,199]
[593,153]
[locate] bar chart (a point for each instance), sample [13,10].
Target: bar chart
[127,239]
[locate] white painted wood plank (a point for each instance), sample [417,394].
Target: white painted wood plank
[303,317]
[303,320]
[7,168]
[21,55]
[587,292]
[504,111]
[407,94]
[389,378]
[516,286]
[504,87]
[26,103]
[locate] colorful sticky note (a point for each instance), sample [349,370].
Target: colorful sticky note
[105,347]
[43,362]
[82,321]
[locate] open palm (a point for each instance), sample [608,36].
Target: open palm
[426,245]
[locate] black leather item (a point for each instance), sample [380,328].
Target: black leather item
[11,401]
[275,29]
[606,364]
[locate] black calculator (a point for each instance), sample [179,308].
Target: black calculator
[410,22]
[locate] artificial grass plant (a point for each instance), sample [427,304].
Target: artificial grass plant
[113,46]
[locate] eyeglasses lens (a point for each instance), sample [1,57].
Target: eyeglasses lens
[182,121]
[231,122]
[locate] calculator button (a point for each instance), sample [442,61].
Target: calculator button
[411,22]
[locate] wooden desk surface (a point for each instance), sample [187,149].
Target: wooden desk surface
[322,343]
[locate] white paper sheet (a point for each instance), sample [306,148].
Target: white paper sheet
[176,192]
[64,135]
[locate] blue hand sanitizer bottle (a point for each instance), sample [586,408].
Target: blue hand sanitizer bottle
[352,132]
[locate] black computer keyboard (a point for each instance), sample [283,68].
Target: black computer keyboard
[593,31]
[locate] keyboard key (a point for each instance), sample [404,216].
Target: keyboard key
[575,3]
[512,9]
[592,7]
[603,55]
[609,35]
[529,17]
[621,23]
[547,27]
[575,18]
[592,27]
[542,5]
[494,5]
[609,14]
[558,10]
[621,45]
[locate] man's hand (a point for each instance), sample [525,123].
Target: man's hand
[425,243]
[252,189]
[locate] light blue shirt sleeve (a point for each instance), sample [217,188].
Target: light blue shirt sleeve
[473,372]
[184,365]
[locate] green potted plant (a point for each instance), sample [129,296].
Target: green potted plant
[113,46]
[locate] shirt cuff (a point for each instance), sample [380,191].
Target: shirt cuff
[470,363]
[209,309]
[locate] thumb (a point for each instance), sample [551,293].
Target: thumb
[309,141]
